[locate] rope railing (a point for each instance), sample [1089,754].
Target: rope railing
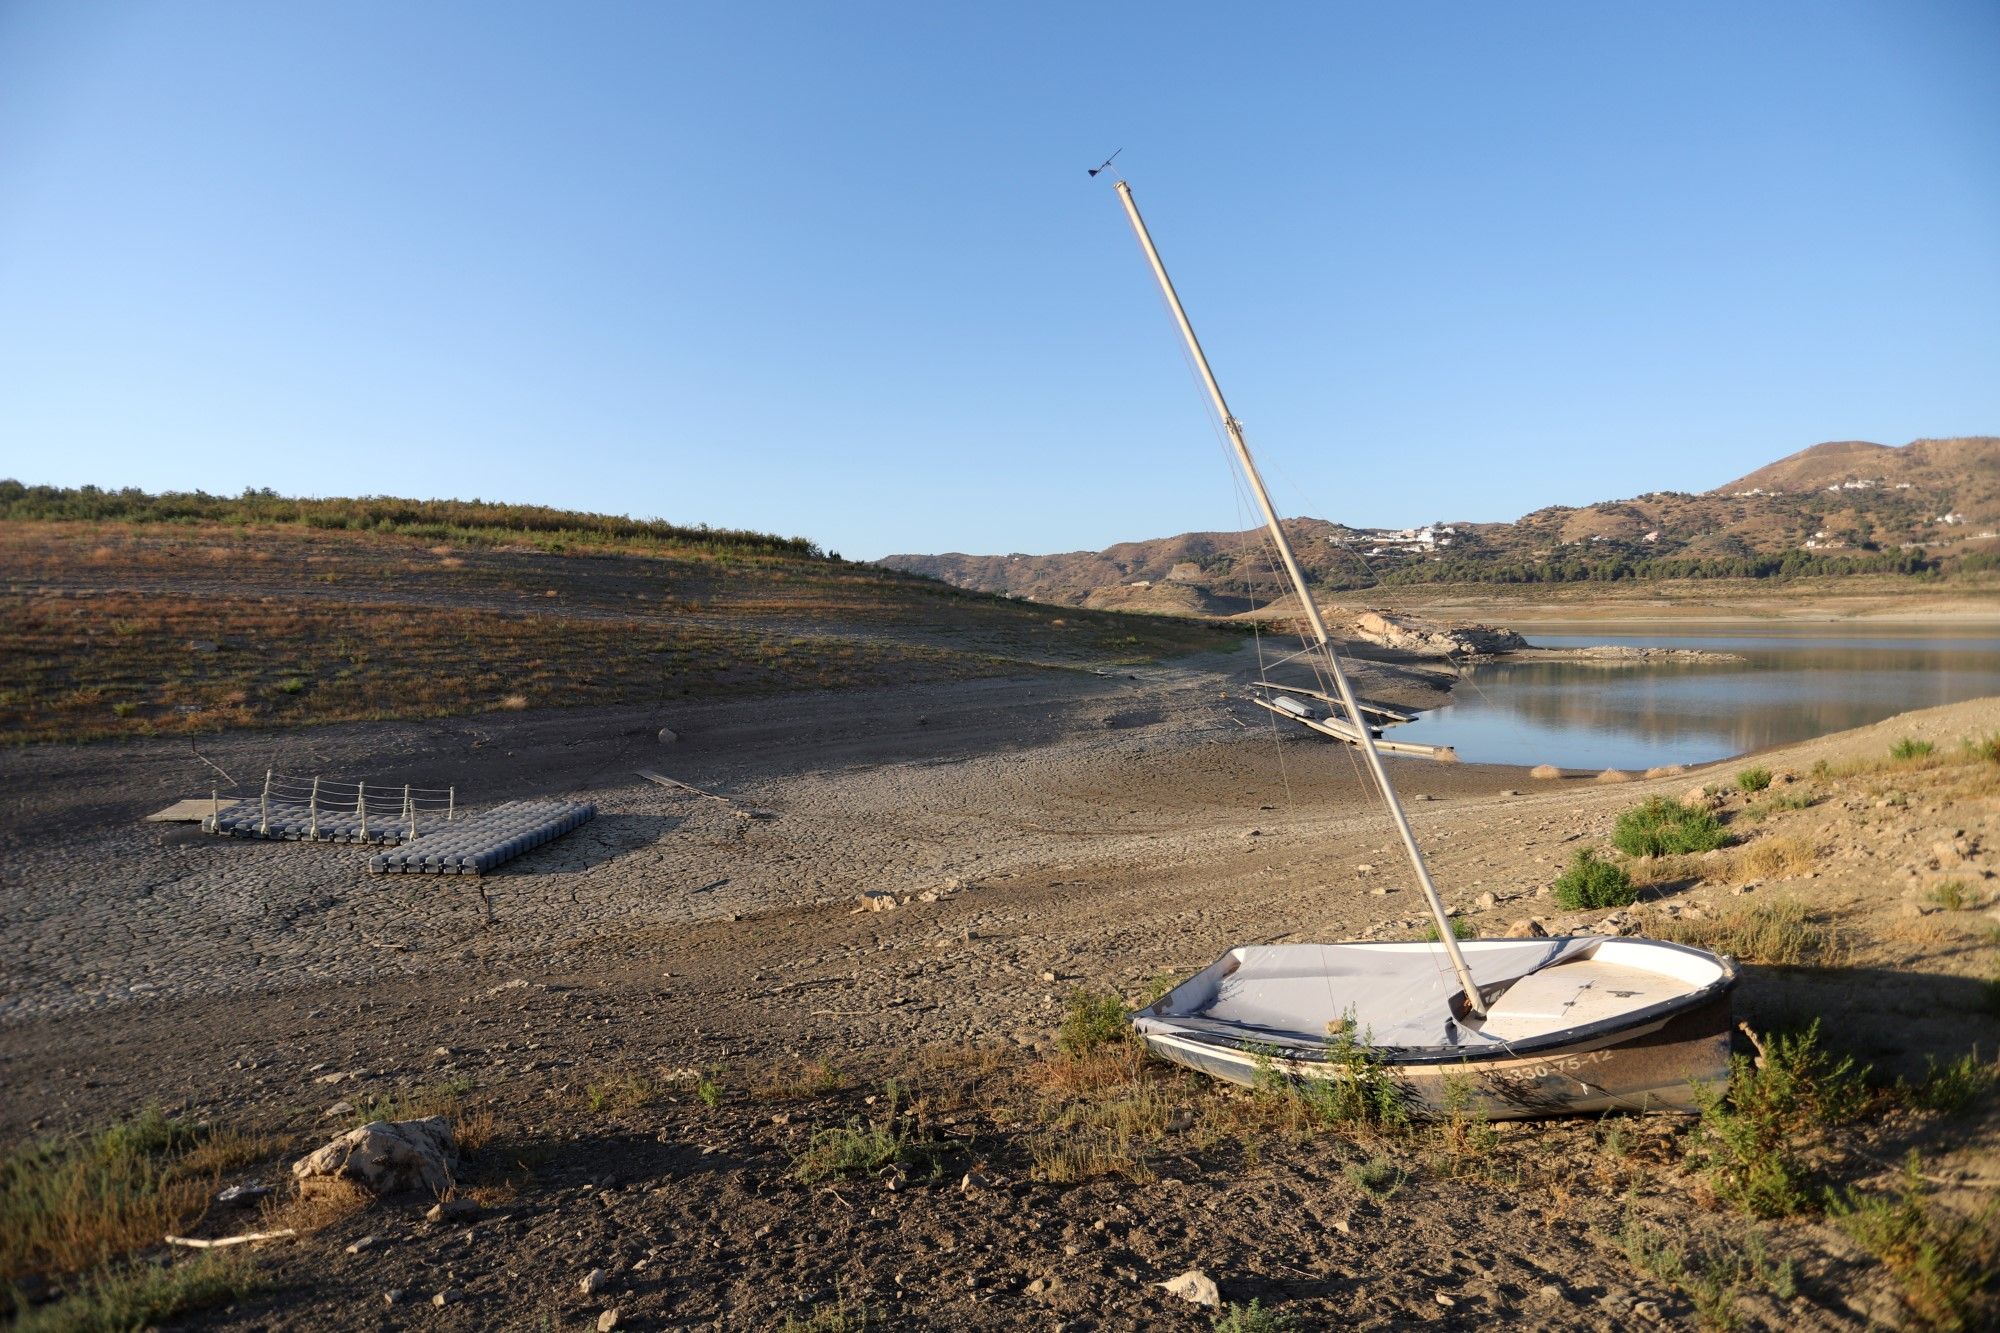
[350,805]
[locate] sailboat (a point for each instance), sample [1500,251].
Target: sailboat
[1508,1028]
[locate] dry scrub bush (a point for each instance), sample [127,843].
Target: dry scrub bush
[1780,932]
[798,1081]
[68,1205]
[330,1200]
[1779,856]
[1943,1263]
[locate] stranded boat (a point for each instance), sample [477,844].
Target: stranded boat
[1507,1028]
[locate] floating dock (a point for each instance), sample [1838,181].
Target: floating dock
[475,844]
[287,821]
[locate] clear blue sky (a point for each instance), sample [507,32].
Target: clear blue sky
[836,269]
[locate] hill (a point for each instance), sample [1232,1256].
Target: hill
[128,614]
[1846,507]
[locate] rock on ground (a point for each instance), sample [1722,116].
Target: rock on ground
[385,1157]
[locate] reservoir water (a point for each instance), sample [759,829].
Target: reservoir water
[1794,683]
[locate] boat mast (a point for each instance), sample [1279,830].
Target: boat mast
[1321,640]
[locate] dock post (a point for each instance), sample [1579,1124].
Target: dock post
[361,807]
[264,805]
[450,803]
[409,810]
[312,806]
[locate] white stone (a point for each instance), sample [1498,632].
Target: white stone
[1196,1288]
[384,1157]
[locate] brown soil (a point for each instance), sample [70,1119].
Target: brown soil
[1069,831]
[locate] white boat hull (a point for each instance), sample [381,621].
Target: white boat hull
[1650,1058]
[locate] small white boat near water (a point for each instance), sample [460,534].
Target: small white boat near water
[1507,1028]
[1578,1024]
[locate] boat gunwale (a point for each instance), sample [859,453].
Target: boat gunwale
[1305,1053]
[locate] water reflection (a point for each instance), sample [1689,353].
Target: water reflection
[1790,686]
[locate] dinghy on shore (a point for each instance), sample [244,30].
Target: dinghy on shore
[1506,1028]
[1581,1024]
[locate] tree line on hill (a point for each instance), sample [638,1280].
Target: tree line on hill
[1795,563]
[443,520]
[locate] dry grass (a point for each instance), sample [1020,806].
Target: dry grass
[1652,872]
[798,1080]
[1100,1115]
[70,1205]
[623,1092]
[1779,932]
[1774,856]
[329,1201]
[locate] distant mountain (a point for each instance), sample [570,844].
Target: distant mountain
[1843,506]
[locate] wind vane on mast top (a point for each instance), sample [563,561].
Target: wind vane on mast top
[1105,163]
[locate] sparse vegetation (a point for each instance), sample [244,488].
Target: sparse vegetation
[1985,747]
[73,1204]
[800,1080]
[1952,895]
[622,1092]
[1461,929]
[1710,1271]
[1379,1177]
[1953,1087]
[1251,1318]
[86,627]
[1799,798]
[1781,932]
[839,1316]
[865,1146]
[1753,779]
[1663,827]
[470,521]
[1091,1019]
[1356,1088]
[1760,1144]
[708,1089]
[1591,883]
[1943,1263]
[1910,748]
[1776,856]
[143,1296]
[1464,1134]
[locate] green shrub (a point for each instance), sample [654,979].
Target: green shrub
[1951,1088]
[1753,779]
[1953,895]
[859,1146]
[1911,748]
[1591,883]
[1358,1087]
[1251,1318]
[1760,1142]
[1663,827]
[1460,930]
[1091,1019]
[1985,747]
[1378,1176]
